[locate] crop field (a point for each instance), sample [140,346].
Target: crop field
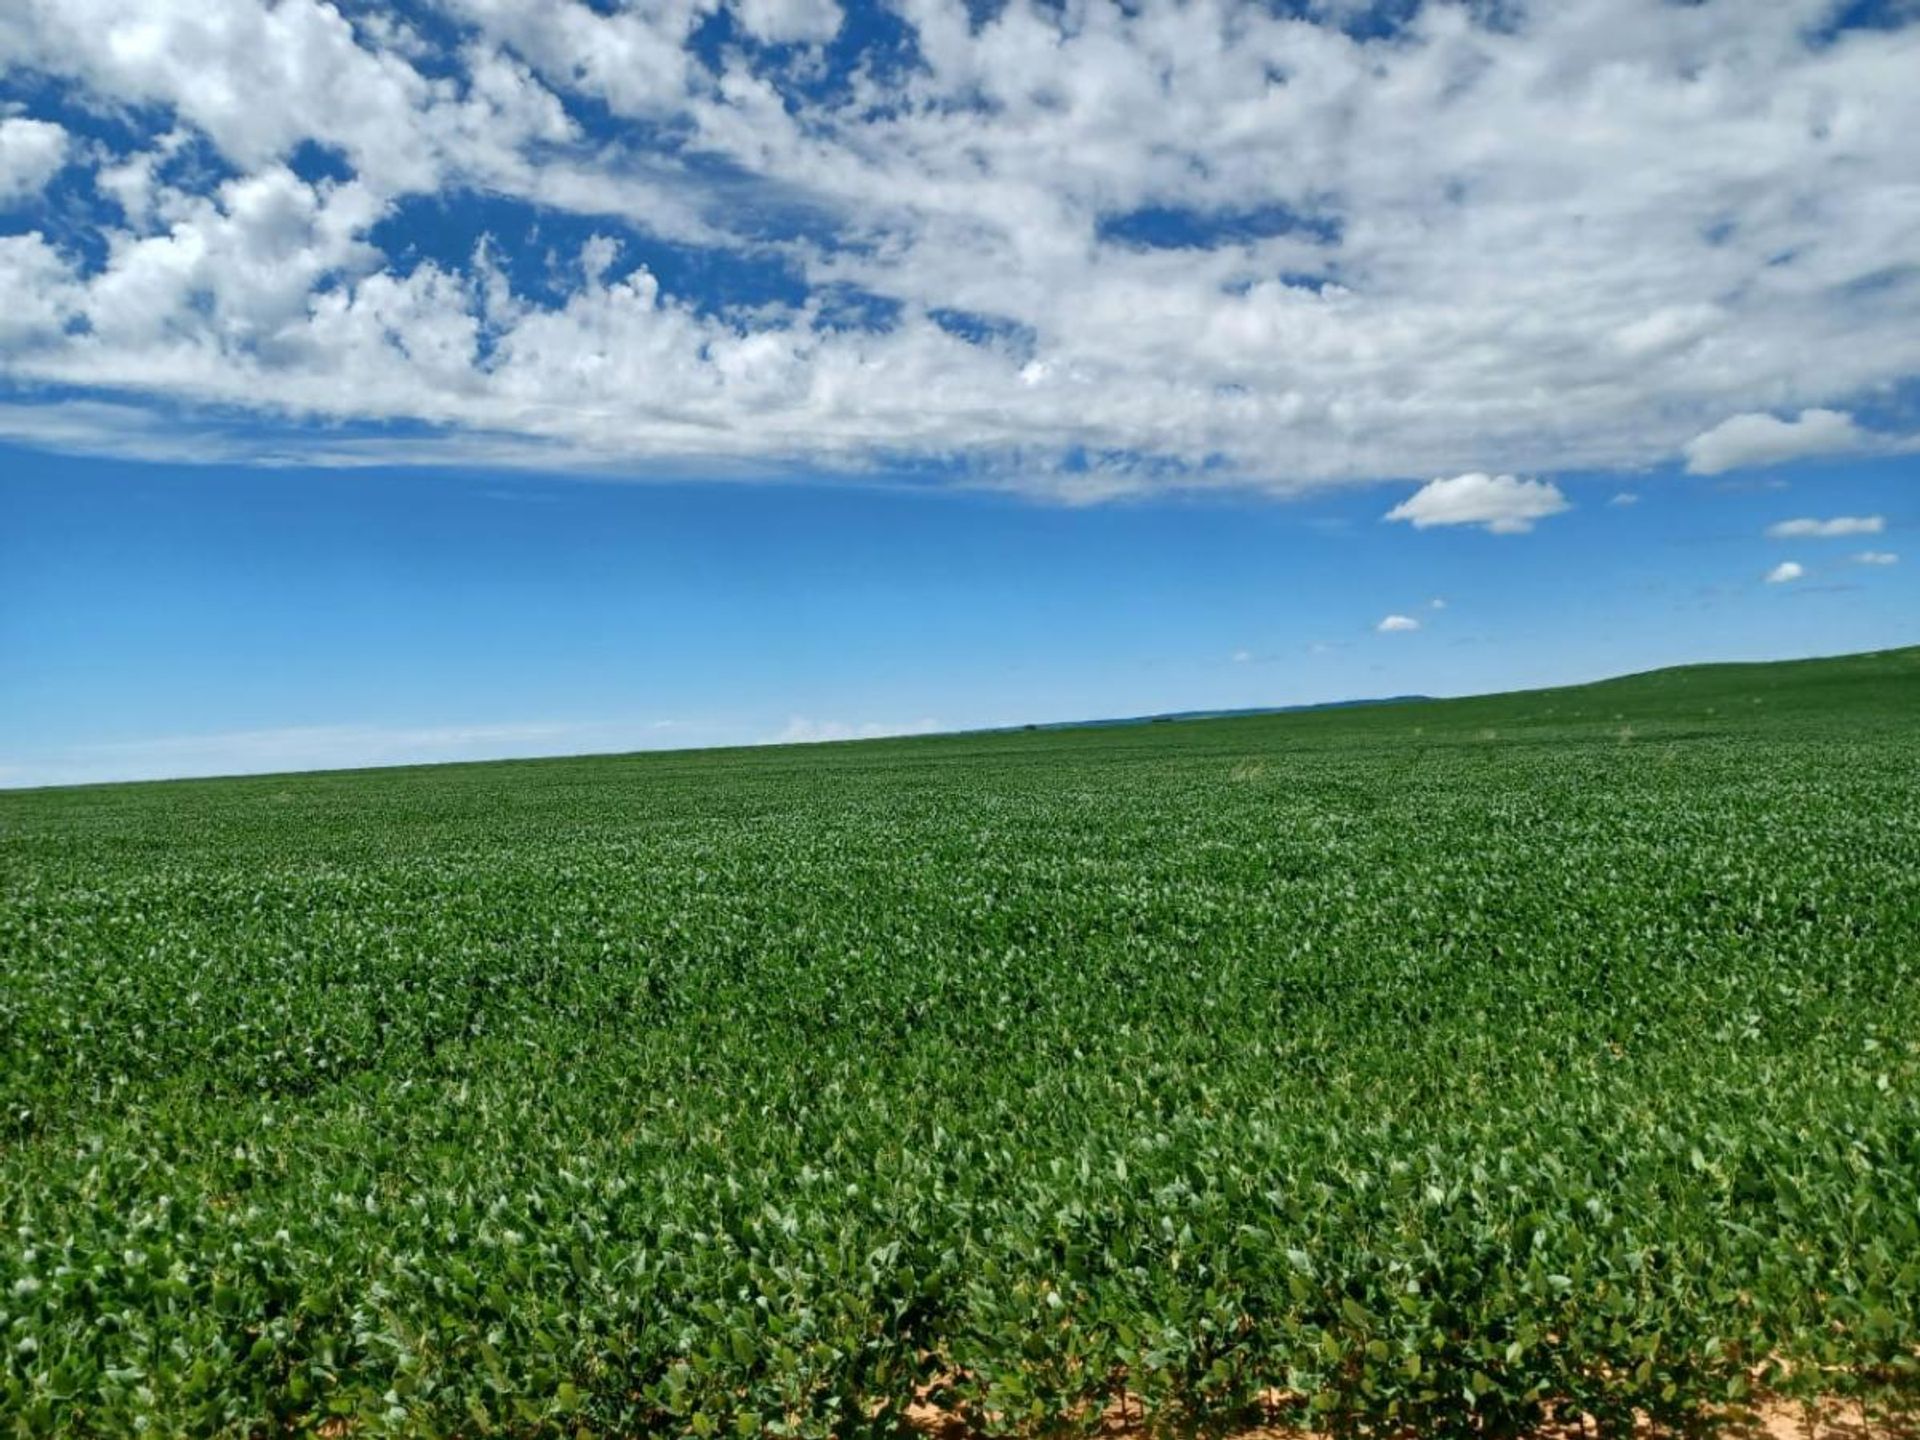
[1431,1069]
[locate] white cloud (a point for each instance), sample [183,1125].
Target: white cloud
[1624,498]
[1243,657]
[789,21]
[30,152]
[1745,198]
[1761,439]
[1876,557]
[1839,527]
[1394,623]
[258,78]
[800,730]
[1785,571]
[1504,504]
[41,296]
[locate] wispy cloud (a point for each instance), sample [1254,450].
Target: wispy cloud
[801,730]
[332,747]
[1786,572]
[1876,557]
[1839,527]
[1394,624]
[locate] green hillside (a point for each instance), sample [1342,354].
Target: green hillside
[1432,1067]
[1880,690]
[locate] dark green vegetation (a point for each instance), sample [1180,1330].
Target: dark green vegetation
[1433,1063]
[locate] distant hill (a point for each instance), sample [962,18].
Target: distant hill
[1874,688]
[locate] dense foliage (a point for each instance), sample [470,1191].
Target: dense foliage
[1430,1065]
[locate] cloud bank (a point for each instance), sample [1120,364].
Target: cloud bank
[1084,250]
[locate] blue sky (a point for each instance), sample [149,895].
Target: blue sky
[169,619]
[469,377]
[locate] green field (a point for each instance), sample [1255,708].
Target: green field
[1432,1064]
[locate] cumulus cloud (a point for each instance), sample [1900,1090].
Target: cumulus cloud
[1623,499]
[1839,527]
[1395,623]
[1876,557]
[30,152]
[1503,504]
[1760,439]
[1786,571]
[1091,251]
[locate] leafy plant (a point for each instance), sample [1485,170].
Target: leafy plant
[1353,1064]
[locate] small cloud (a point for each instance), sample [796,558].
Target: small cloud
[1762,439]
[1837,528]
[1243,657]
[1876,557]
[1785,571]
[1395,623]
[1623,499]
[1504,504]
[782,22]
[1437,603]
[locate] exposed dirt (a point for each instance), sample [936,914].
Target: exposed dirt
[1837,1421]
[1770,1420]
